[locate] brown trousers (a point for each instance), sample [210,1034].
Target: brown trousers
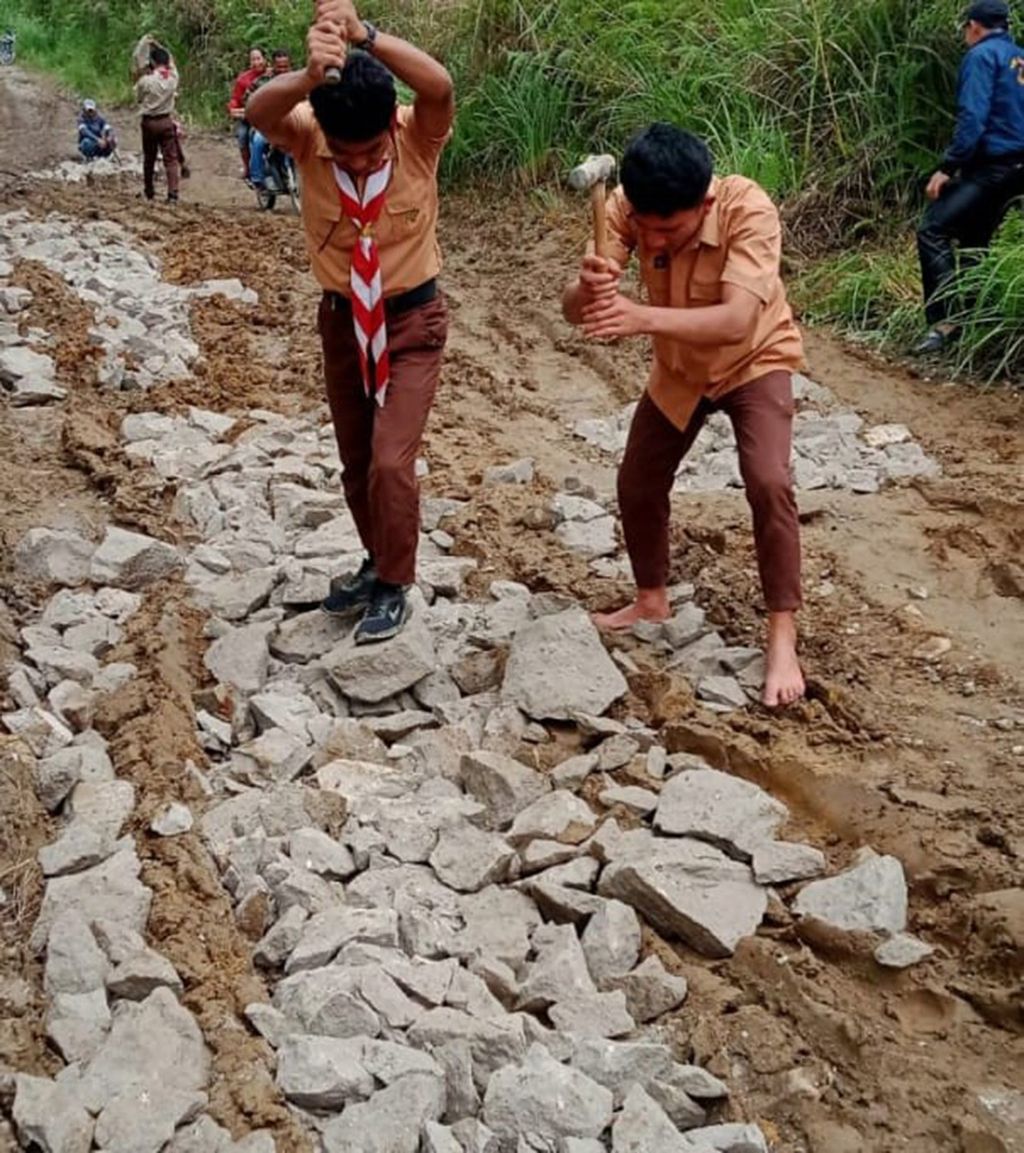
[379,445]
[158,135]
[762,419]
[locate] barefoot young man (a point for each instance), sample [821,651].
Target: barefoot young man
[724,341]
[368,170]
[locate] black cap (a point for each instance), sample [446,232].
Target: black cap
[989,13]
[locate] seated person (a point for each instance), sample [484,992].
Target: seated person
[281,62]
[95,136]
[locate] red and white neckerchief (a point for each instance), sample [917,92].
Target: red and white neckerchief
[367,287]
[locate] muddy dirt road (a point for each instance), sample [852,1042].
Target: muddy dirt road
[920,756]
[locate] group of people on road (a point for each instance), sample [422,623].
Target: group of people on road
[708,249]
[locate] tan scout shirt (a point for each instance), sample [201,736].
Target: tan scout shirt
[407,230]
[155,93]
[740,242]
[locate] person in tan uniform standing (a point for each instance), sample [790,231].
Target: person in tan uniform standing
[368,170]
[156,89]
[724,340]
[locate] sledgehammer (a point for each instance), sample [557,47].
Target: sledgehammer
[594,174]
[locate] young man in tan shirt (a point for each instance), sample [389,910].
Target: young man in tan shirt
[724,340]
[156,89]
[368,171]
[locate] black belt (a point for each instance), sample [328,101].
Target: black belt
[155,115]
[422,294]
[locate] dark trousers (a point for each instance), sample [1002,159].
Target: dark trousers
[967,213]
[379,445]
[159,136]
[762,419]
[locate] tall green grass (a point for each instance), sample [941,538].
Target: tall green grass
[836,107]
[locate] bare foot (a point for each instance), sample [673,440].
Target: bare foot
[783,681]
[650,605]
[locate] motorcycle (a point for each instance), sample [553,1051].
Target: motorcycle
[281,180]
[7,42]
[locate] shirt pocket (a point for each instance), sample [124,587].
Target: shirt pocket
[400,220]
[656,272]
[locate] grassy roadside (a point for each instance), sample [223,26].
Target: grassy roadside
[836,108]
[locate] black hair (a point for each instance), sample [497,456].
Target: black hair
[665,170]
[279,52]
[361,106]
[159,57]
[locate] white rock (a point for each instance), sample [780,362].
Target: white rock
[44,733]
[557,666]
[632,797]
[555,816]
[326,933]
[729,1138]
[901,951]
[544,1097]
[871,897]
[518,472]
[49,1116]
[593,1015]
[391,1121]
[644,1127]
[689,890]
[776,862]
[172,820]
[321,854]
[75,964]
[611,941]
[241,658]
[77,1024]
[505,786]
[132,560]
[559,971]
[650,990]
[571,773]
[49,556]
[322,1072]
[467,858]
[724,810]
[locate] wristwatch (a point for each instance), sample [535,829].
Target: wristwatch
[371,37]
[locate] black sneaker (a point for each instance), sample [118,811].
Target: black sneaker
[387,614]
[350,593]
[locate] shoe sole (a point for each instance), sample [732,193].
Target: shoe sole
[387,635]
[344,614]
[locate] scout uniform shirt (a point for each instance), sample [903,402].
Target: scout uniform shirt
[407,230]
[739,242]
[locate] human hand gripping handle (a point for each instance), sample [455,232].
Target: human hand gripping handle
[341,16]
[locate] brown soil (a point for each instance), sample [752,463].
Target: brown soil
[827,1051]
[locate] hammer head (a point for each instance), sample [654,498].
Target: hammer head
[593,170]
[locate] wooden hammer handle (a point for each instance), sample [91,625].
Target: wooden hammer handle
[598,197]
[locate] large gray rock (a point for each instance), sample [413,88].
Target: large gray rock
[493,1043]
[326,933]
[53,556]
[644,1127]
[871,897]
[373,673]
[439,1139]
[58,774]
[650,990]
[77,1024]
[559,971]
[557,816]
[327,1002]
[557,666]
[467,858]
[611,941]
[322,1072]
[314,850]
[687,889]
[391,1121]
[544,1097]
[148,1076]
[111,890]
[726,811]
[240,658]
[505,786]
[307,636]
[132,560]
[75,963]
[593,1015]
[49,1116]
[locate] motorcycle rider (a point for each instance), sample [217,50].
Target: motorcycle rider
[236,104]
[281,62]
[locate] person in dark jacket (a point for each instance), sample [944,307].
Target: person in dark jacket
[983,168]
